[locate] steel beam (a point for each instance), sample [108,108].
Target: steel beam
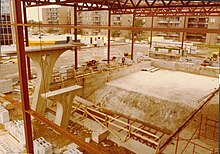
[23,76]
[109,35]
[183,35]
[26,41]
[132,37]
[75,37]
[151,32]
[190,30]
[125,4]
[181,11]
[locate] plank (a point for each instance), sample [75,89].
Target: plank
[154,70]
[60,91]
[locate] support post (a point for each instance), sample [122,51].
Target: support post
[26,41]
[109,34]
[23,76]
[184,27]
[177,141]
[132,37]
[75,36]
[200,127]
[151,32]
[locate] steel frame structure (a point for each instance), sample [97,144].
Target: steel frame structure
[139,7]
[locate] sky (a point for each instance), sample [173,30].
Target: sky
[35,13]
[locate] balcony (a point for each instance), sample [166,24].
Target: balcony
[174,35]
[175,22]
[161,34]
[162,21]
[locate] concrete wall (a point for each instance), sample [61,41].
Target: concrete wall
[187,67]
[93,82]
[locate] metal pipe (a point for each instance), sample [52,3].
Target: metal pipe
[109,34]
[26,40]
[23,76]
[75,36]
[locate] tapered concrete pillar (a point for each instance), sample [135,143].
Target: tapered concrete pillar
[64,100]
[45,65]
[64,106]
[44,60]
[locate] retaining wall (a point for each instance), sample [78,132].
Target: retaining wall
[187,67]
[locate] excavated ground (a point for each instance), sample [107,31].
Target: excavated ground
[163,99]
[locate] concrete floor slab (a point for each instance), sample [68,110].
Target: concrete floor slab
[168,85]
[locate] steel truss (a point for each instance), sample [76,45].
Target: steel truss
[143,7]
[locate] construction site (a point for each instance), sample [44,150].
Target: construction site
[118,77]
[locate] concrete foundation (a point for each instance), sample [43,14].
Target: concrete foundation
[163,99]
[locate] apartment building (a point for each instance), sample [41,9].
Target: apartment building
[95,18]
[64,15]
[213,23]
[6,34]
[197,22]
[191,22]
[169,22]
[59,15]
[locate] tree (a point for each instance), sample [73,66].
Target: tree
[115,33]
[139,35]
[34,22]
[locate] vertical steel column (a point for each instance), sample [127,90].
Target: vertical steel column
[109,34]
[184,27]
[75,36]
[26,41]
[151,32]
[23,75]
[132,37]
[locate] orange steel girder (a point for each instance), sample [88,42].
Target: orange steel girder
[143,8]
[125,4]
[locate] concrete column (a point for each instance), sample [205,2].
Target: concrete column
[64,107]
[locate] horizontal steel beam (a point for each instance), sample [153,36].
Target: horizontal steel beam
[188,30]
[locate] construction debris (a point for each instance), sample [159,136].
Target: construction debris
[151,69]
